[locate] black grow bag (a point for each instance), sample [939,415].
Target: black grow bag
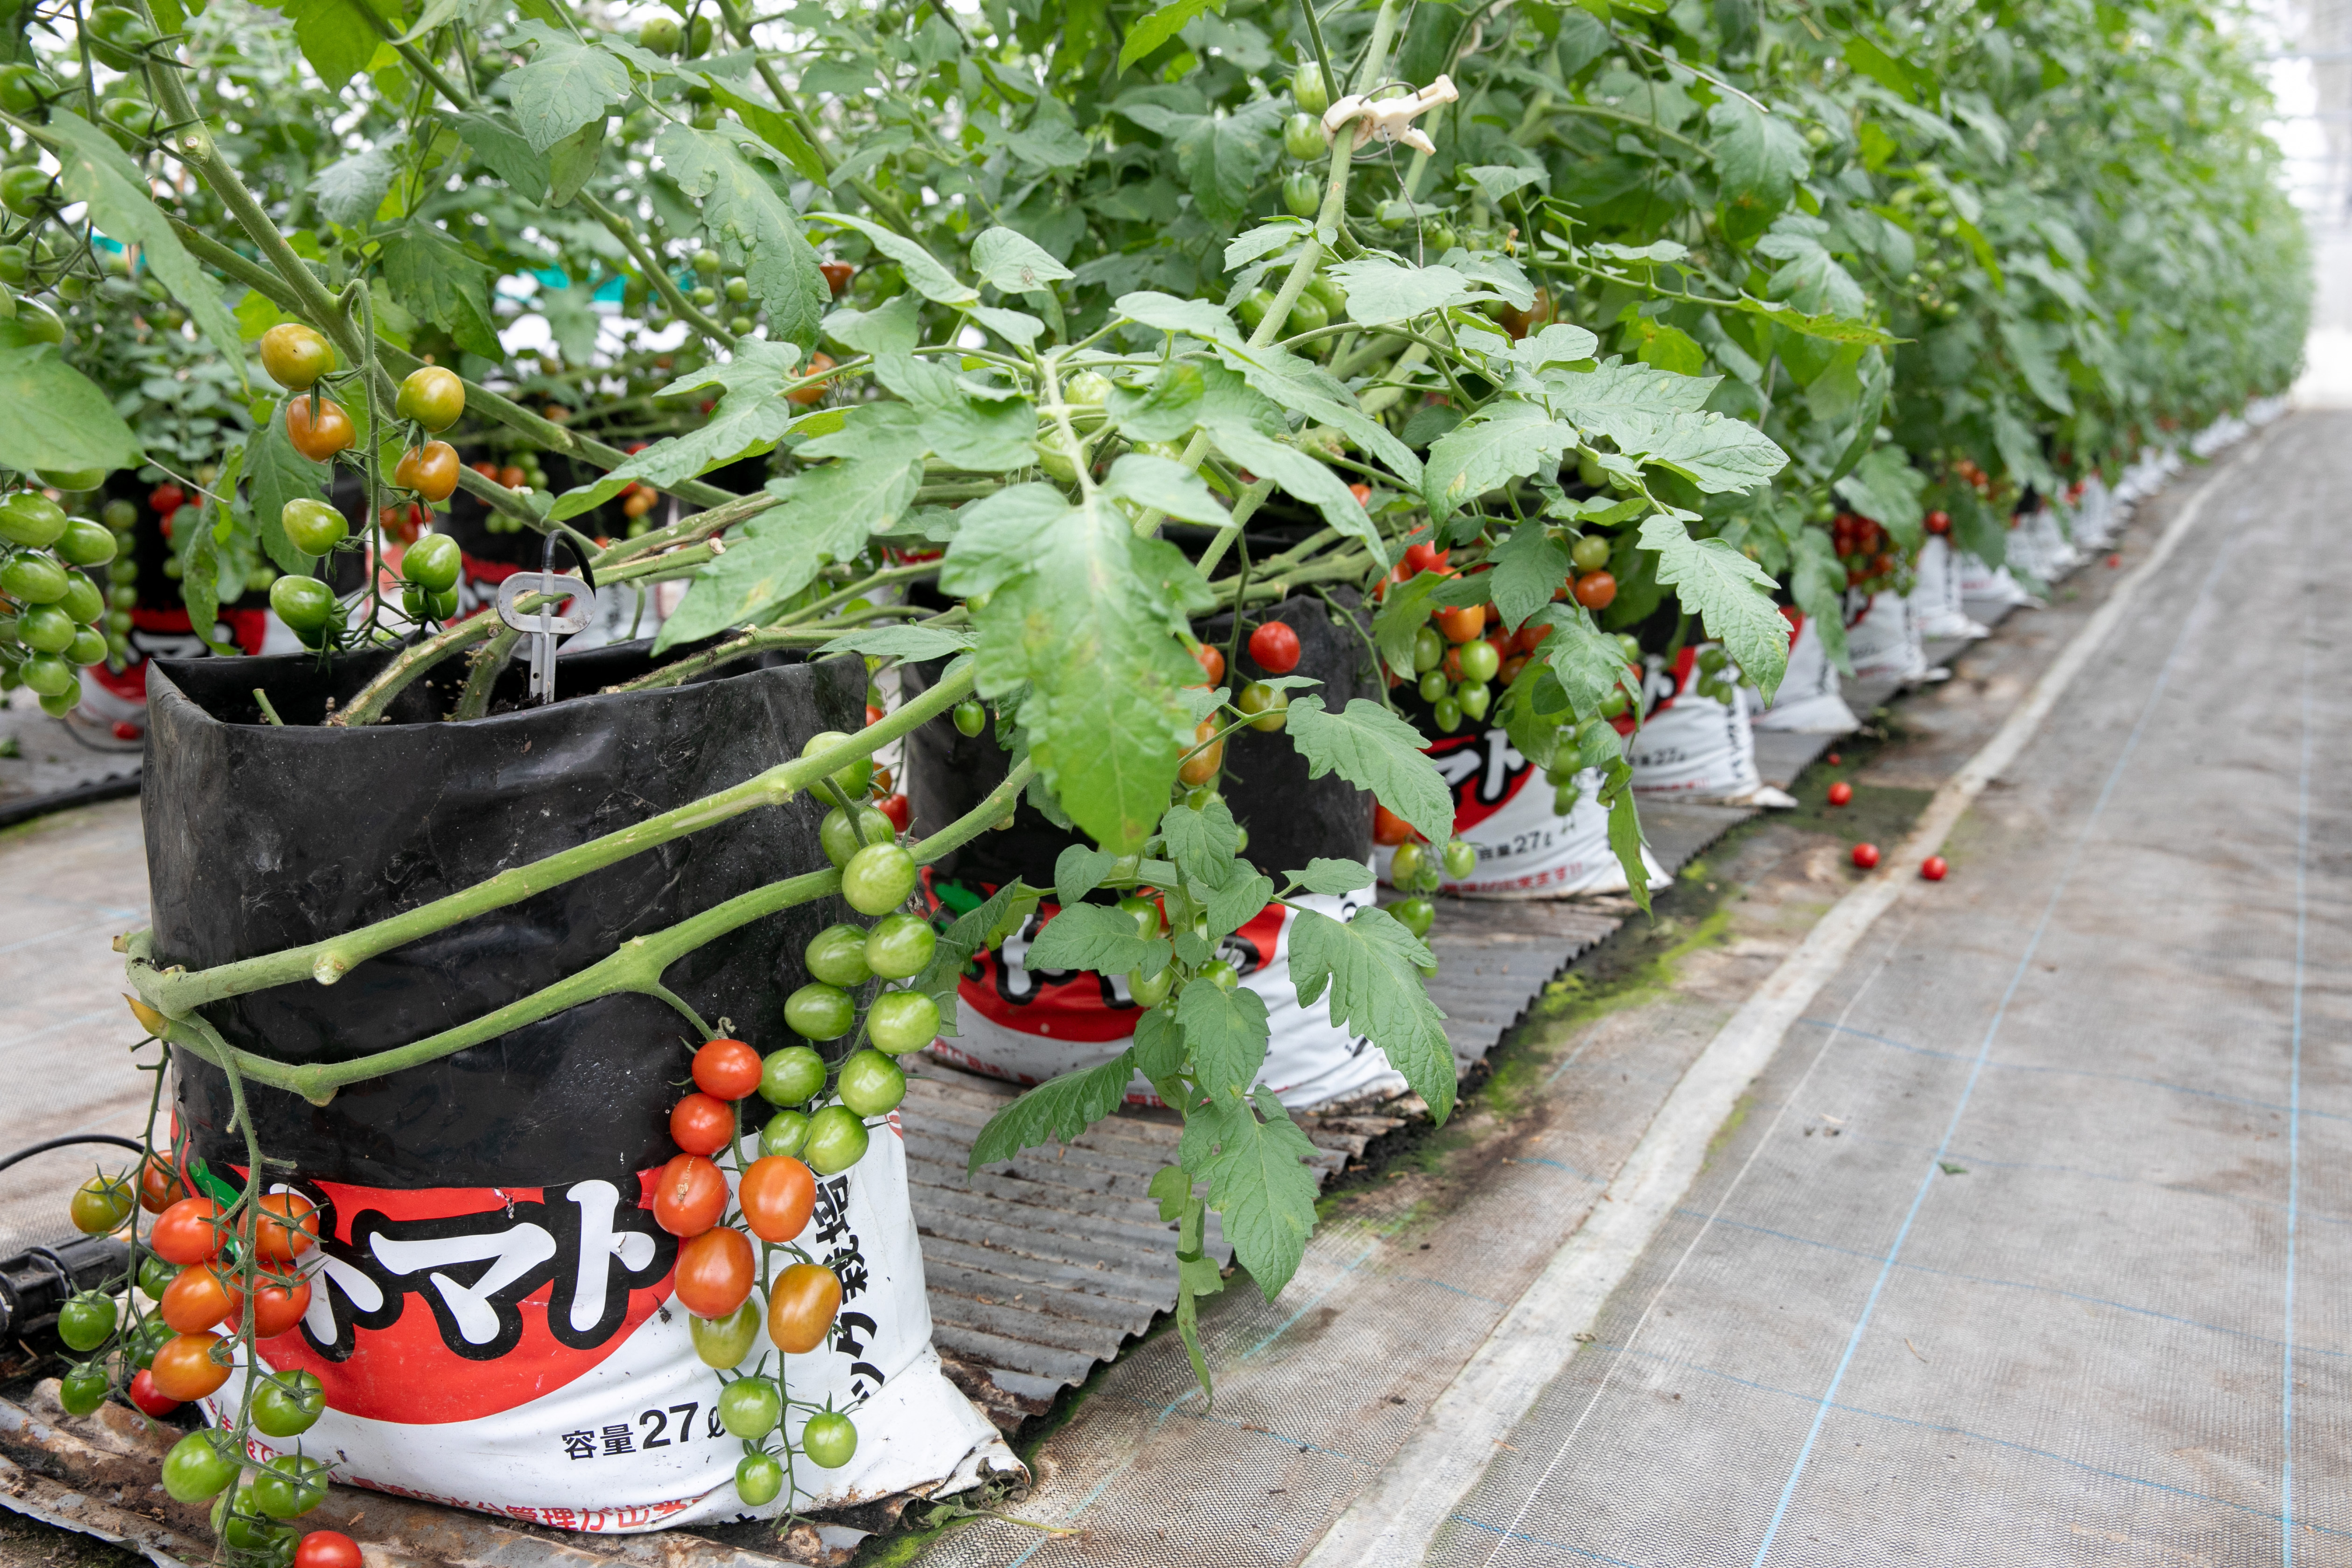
[261,837]
[1291,818]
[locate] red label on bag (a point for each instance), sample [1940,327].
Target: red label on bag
[1485,772]
[471,1301]
[1078,1004]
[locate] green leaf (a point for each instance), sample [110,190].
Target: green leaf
[351,189]
[1625,841]
[1227,1033]
[566,85]
[1559,343]
[1259,1181]
[1508,439]
[1731,594]
[1148,482]
[1170,314]
[1055,1112]
[1714,451]
[277,474]
[2029,347]
[1817,582]
[1169,406]
[1382,289]
[1374,749]
[996,537]
[334,35]
[1156,28]
[984,435]
[1224,158]
[900,643]
[956,945]
[752,225]
[431,276]
[1240,900]
[1079,870]
[52,415]
[1096,937]
[1303,477]
[1333,878]
[1013,262]
[1588,662]
[752,417]
[571,163]
[1528,567]
[1087,629]
[1886,488]
[1202,841]
[924,273]
[1758,158]
[1306,388]
[506,152]
[1372,967]
[894,326]
[1402,615]
[93,169]
[1160,1049]
[771,127]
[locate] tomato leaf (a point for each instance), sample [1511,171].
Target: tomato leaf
[1334,877]
[1055,1112]
[1013,262]
[1258,1180]
[1732,595]
[1372,966]
[334,35]
[750,417]
[1885,487]
[1096,937]
[964,937]
[52,415]
[279,474]
[1226,1031]
[1302,476]
[1147,483]
[752,225]
[1079,870]
[566,85]
[995,537]
[1240,901]
[1588,662]
[771,127]
[924,272]
[901,643]
[1382,289]
[1374,749]
[1625,841]
[1508,439]
[1528,566]
[431,275]
[985,436]
[1199,317]
[1202,841]
[1302,385]
[1160,25]
[505,151]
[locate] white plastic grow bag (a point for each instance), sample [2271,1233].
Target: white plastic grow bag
[1691,747]
[1882,638]
[1936,605]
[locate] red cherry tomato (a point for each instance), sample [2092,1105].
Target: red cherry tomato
[1865,856]
[160,1186]
[1462,623]
[1933,868]
[1276,647]
[689,1195]
[289,1227]
[1841,793]
[278,1304]
[1530,638]
[186,1232]
[896,808]
[1596,590]
[778,1195]
[837,275]
[1939,523]
[328,1549]
[1212,663]
[1390,828]
[1419,558]
[874,715]
[715,1272]
[144,1394]
[431,470]
[701,1124]
[726,1069]
[185,1368]
[165,499]
[196,1300]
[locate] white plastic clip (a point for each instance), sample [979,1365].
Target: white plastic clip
[1390,119]
[543,625]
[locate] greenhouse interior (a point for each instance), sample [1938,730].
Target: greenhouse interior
[1240,782]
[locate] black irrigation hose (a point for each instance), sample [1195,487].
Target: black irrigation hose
[119,1141]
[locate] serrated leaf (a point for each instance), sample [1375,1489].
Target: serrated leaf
[1303,477]
[1168,406]
[1528,567]
[1170,314]
[1159,1050]
[1079,870]
[1400,617]
[1625,842]
[352,188]
[1240,900]
[895,327]
[1156,28]
[1016,326]
[1817,582]
[1382,289]
[1096,937]
[1588,662]
[334,35]
[1265,240]
[1302,385]
[964,937]
[1714,451]
[1731,594]
[751,226]
[432,277]
[1886,488]
[1559,343]
[1259,1181]
[506,151]
[1759,157]
[900,643]
[1013,262]
[52,415]
[1509,440]
[996,537]
[771,127]
[986,435]
[1223,158]
[1202,841]
[1372,965]
[1374,750]
[925,274]
[752,417]
[1332,877]
[1226,1032]
[1152,482]
[1053,1112]
[566,85]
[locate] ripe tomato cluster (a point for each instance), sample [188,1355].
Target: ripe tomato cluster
[1866,551]
[1273,648]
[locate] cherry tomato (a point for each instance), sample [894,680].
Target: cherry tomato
[1420,558]
[321,438]
[723,1343]
[1203,764]
[196,1301]
[791,1076]
[820,1011]
[715,1272]
[200,1464]
[313,526]
[1151,990]
[328,1549]
[433,563]
[896,807]
[842,834]
[900,946]
[100,1204]
[1266,708]
[902,1021]
[778,1195]
[877,880]
[1939,523]
[1462,623]
[1865,856]
[700,1125]
[431,470]
[1596,590]
[870,1083]
[1933,868]
[726,1069]
[689,1195]
[1390,828]
[837,275]
[186,1232]
[1415,914]
[1405,865]
[144,1340]
[1221,974]
[837,955]
[87,1321]
[801,1307]
[970,717]
[160,1186]
[1841,793]
[1479,662]
[288,1228]
[155,1276]
[751,1407]
[1212,663]
[295,355]
[432,396]
[785,1132]
[84,1389]
[185,1368]
[1460,859]
[759,1478]
[291,1485]
[809,396]
[1274,647]
[148,1397]
[837,1141]
[279,1303]
[512,477]
[829,1439]
[853,778]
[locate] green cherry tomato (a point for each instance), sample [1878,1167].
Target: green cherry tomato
[1589,553]
[1308,89]
[73,479]
[1433,685]
[84,602]
[1404,865]
[854,779]
[793,1074]
[1302,192]
[902,1021]
[1615,703]
[244,1528]
[118,515]
[87,1321]
[23,90]
[84,1389]
[837,955]
[1221,974]
[28,517]
[837,1141]
[1254,306]
[829,1439]
[102,1204]
[47,675]
[288,1403]
[1448,714]
[39,322]
[1460,859]
[28,190]
[46,628]
[785,1132]
[200,1464]
[1266,708]
[312,525]
[1151,990]
[291,1485]
[1310,315]
[758,1478]
[16,261]
[89,648]
[878,878]
[30,578]
[900,946]
[751,1407]
[1428,651]
[431,395]
[842,837]
[871,1084]
[144,1340]
[1302,138]
[1143,912]
[1632,646]
[1479,660]
[1415,914]
[1473,697]
[970,717]
[820,1011]
[304,603]
[155,1276]
[86,544]
[433,563]
[723,1343]
[1088,388]
[660,36]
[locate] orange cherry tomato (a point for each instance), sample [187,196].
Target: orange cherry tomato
[431,470]
[1511,667]
[186,1232]
[1596,590]
[1202,765]
[801,1307]
[837,275]
[638,504]
[321,439]
[1462,623]
[689,1195]
[1212,663]
[196,1300]
[288,1228]
[160,1186]
[809,396]
[279,1303]
[1390,828]
[726,1069]
[489,471]
[701,1124]
[778,1195]
[1530,638]
[715,1272]
[183,1368]
[513,476]
[1363,492]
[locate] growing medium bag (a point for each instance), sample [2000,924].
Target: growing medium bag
[1882,638]
[491,1312]
[1025,1026]
[1936,605]
[1695,747]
